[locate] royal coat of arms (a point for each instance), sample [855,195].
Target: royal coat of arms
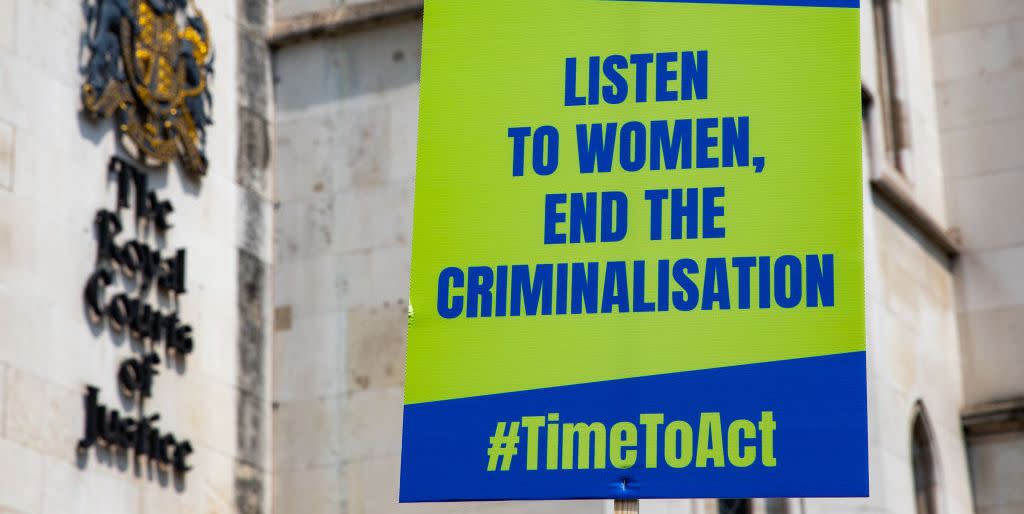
[147,67]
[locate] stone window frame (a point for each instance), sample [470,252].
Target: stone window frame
[896,188]
[893,122]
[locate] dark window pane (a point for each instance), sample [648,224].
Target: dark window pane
[924,467]
[734,506]
[776,506]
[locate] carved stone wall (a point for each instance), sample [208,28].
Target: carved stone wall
[979,67]
[53,180]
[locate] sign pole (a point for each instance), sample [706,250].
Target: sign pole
[627,506]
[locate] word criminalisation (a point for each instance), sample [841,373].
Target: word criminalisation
[682,284]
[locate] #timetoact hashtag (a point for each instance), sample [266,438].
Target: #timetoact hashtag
[677,444]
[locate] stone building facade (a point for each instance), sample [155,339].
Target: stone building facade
[298,242]
[54,182]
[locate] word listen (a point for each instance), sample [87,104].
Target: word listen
[616,78]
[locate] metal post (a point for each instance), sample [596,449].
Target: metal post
[627,506]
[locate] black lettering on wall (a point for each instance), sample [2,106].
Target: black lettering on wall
[131,268]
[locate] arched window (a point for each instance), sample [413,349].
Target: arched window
[923,461]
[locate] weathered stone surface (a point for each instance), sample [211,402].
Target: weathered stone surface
[996,464]
[252,349]
[250,490]
[308,156]
[342,256]
[978,68]
[992,332]
[253,150]
[960,108]
[990,279]
[361,224]
[376,342]
[283,318]
[254,227]
[302,363]
[354,70]
[313,489]
[254,304]
[252,429]
[84,491]
[991,147]
[983,204]
[954,16]
[980,51]
[36,24]
[347,427]
[252,335]
[41,416]
[27,496]
[253,13]
[253,71]
[8,21]
[313,229]
[298,19]
[52,181]
[6,155]
[287,8]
